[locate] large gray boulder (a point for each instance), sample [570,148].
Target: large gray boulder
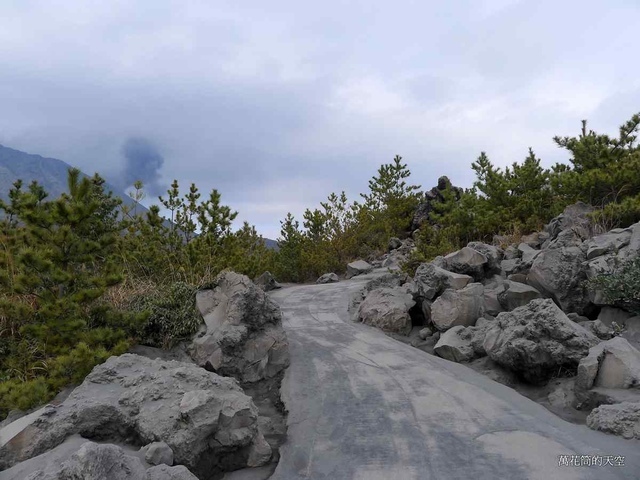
[610,242]
[537,340]
[462,344]
[455,347]
[611,364]
[432,280]
[516,295]
[359,267]
[207,420]
[387,309]
[243,337]
[493,254]
[558,273]
[458,307]
[387,280]
[328,278]
[468,262]
[621,419]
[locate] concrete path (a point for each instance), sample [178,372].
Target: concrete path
[364,406]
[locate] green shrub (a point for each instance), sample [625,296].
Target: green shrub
[172,315]
[622,286]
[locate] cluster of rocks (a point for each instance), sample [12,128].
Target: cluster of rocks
[138,418]
[525,311]
[432,197]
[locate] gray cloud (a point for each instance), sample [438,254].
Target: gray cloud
[278,105]
[142,163]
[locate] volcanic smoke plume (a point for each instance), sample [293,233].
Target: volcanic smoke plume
[142,162]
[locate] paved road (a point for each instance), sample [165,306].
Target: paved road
[364,406]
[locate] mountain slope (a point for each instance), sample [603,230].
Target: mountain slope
[51,173]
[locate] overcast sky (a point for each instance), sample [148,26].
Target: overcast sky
[277,104]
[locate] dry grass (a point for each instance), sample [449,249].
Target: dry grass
[120,296]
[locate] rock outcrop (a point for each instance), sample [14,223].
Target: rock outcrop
[206,420]
[537,340]
[243,335]
[435,195]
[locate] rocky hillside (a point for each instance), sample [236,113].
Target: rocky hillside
[529,315]
[145,417]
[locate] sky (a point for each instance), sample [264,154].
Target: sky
[277,104]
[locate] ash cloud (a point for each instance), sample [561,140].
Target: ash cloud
[143,162]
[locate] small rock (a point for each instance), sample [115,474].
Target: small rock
[328,278]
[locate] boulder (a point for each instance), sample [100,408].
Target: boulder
[462,344]
[394,243]
[611,364]
[534,240]
[387,309]
[511,253]
[537,340]
[387,280]
[157,453]
[421,215]
[558,273]
[359,267]
[432,280]
[518,277]
[424,333]
[575,217]
[633,249]
[610,242]
[621,419]
[527,254]
[598,328]
[612,315]
[244,337]
[267,282]
[96,462]
[328,278]
[491,293]
[394,260]
[458,307]
[516,295]
[509,267]
[468,262]
[454,347]
[207,420]
[164,472]
[493,254]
